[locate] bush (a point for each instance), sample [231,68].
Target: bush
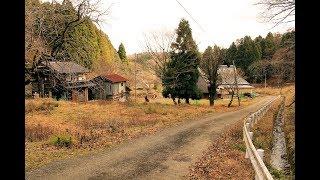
[62,141]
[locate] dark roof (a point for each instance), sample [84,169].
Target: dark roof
[114,78]
[66,67]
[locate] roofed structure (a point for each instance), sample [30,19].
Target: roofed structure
[226,79]
[65,67]
[114,78]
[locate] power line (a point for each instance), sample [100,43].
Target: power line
[193,18]
[190,16]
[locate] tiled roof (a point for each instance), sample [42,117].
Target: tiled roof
[114,78]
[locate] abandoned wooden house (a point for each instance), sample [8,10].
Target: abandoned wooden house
[111,86]
[62,80]
[225,83]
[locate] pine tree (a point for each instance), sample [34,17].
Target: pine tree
[231,54]
[248,52]
[122,53]
[269,48]
[180,79]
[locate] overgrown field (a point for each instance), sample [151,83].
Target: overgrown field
[61,129]
[225,159]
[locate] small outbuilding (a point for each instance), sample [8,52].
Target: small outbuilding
[110,86]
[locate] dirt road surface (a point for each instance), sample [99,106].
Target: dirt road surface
[164,155]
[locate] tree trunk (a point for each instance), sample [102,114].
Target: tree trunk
[231,99]
[187,101]
[174,101]
[212,92]
[179,101]
[211,100]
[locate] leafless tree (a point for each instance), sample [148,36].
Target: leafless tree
[234,87]
[209,64]
[277,11]
[157,45]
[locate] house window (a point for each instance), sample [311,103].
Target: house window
[121,84]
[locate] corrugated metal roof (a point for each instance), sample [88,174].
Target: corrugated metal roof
[67,67]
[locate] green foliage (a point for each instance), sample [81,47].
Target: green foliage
[181,72]
[248,53]
[269,47]
[231,54]
[122,53]
[258,70]
[288,39]
[63,140]
[84,42]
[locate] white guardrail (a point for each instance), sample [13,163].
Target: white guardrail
[256,155]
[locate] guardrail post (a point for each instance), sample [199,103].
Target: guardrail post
[261,153]
[247,126]
[251,135]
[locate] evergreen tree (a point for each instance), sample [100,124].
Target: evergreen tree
[269,47]
[180,79]
[122,53]
[231,54]
[248,52]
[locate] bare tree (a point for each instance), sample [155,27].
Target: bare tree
[277,11]
[209,64]
[234,87]
[157,45]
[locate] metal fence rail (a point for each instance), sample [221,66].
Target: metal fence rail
[256,155]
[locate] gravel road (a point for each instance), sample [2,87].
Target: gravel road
[164,155]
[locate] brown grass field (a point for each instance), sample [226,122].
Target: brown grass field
[60,129]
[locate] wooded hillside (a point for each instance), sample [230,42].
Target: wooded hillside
[47,32]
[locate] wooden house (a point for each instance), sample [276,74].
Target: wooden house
[62,80]
[111,86]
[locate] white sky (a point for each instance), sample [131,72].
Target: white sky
[224,21]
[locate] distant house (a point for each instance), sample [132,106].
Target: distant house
[66,80]
[111,86]
[226,81]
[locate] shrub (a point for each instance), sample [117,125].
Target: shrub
[63,140]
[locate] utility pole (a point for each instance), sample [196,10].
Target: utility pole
[236,81]
[265,78]
[135,78]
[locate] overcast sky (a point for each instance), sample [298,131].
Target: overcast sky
[223,21]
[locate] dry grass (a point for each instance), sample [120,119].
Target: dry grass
[225,159]
[98,125]
[263,129]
